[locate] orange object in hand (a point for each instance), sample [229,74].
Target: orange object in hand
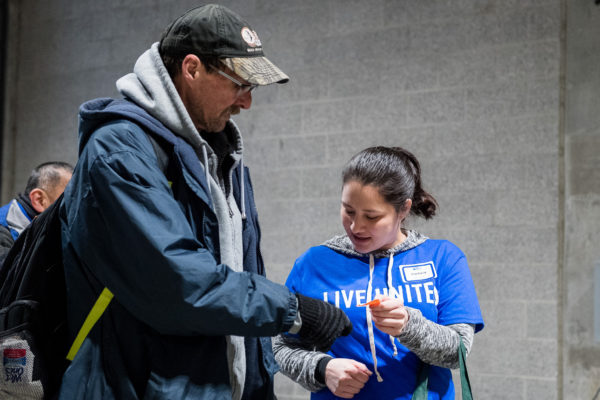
[373,303]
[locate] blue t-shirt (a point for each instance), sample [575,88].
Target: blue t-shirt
[432,277]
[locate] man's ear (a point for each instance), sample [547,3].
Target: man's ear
[39,199]
[191,66]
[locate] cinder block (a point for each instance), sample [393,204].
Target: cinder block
[542,320]
[584,164]
[514,281]
[436,107]
[380,113]
[368,44]
[327,117]
[356,16]
[493,28]
[526,208]
[299,151]
[538,60]
[501,172]
[348,78]
[472,67]
[543,97]
[270,121]
[508,245]
[467,208]
[279,248]
[438,35]
[505,317]
[406,72]
[529,134]
[277,184]
[543,22]
[485,386]
[546,388]
[278,272]
[342,146]
[514,357]
[305,83]
[318,183]
[270,6]
[496,101]
[262,154]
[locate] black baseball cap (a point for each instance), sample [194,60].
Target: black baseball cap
[214,30]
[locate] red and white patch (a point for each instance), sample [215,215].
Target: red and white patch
[250,37]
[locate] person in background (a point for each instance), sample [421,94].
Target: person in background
[160,213]
[424,297]
[45,184]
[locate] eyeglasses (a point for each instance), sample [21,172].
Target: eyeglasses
[243,88]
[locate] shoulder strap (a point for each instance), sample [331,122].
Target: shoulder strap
[95,313]
[106,295]
[420,392]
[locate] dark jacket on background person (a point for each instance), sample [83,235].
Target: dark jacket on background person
[163,336]
[14,218]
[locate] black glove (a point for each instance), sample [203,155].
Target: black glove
[322,323]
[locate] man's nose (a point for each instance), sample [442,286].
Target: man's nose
[244,100]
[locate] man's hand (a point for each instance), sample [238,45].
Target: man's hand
[390,316]
[322,323]
[346,377]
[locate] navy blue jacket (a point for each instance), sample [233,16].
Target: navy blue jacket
[151,237]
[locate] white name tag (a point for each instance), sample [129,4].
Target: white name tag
[418,272]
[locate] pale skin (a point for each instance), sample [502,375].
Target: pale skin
[42,199]
[371,224]
[209,98]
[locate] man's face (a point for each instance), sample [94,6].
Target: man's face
[211,99]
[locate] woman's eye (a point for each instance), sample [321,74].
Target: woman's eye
[371,218]
[348,212]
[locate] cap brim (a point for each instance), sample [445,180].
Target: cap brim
[256,70]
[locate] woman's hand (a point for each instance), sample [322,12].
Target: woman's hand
[346,377]
[390,316]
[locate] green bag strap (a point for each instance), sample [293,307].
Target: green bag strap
[465,383]
[420,392]
[94,315]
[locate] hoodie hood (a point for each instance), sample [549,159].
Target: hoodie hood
[343,244]
[150,86]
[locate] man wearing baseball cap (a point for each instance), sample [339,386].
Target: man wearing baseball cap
[161,235]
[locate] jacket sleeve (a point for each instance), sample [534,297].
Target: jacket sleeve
[145,250]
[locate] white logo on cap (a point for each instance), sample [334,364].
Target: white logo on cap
[250,37]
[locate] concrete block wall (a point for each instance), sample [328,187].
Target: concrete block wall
[581,324]
[472,87]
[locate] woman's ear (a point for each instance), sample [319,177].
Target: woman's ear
[39,199]
[405,209]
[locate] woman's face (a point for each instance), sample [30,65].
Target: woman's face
[370,222]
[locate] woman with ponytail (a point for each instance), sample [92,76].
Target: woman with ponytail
[422,301]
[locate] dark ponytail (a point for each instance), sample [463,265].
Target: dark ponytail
[397,175]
